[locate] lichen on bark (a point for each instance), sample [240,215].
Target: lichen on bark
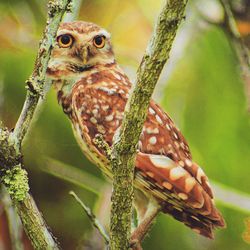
[15,180]
[125,145]
[12,175]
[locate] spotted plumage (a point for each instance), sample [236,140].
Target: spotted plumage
[93,91]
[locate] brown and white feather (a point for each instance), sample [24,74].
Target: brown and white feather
[95,101]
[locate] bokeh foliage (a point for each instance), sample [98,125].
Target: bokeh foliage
[203,92]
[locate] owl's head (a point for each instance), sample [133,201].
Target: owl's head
[79,47]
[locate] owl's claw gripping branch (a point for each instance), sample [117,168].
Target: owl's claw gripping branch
[12,174]
[103,145]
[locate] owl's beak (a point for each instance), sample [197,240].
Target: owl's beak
[84,55]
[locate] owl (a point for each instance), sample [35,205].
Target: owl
[93,90]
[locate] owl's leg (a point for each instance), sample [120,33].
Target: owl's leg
[141,205]
[147,210]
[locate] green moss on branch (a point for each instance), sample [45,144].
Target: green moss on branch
[124,149]
[34,225]
[12,175]
[16,182]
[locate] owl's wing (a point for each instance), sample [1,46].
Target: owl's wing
[160,136]
[165,162]
[163,165]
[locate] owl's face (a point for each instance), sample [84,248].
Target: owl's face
[80,46]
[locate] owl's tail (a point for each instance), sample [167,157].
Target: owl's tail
[197,222]
[183,192]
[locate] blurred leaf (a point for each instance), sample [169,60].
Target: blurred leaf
[73,175]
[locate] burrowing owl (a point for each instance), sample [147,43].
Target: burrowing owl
[93,91]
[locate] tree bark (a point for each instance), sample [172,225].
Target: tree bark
[12,174]
[125,145]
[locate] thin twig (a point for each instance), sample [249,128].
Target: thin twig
[229,21]
[124,149]
[92,218]
[230,27]
[14,223]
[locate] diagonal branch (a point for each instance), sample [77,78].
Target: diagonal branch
[14,223]
[92,218]
[231,29]
[35,83]
[124,149]
[12,175]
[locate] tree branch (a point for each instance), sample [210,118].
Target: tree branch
[11,172]
[74,13]
[92,218]
[34,224]
[230,27]
[125,145]
[36,81]
[14,223]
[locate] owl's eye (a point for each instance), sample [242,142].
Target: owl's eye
[65,41]
[99,41]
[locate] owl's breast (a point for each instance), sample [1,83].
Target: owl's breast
[96,111]
[99,109]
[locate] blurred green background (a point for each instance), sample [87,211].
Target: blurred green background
[201,89]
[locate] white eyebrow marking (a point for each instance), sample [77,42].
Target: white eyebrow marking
[65,31]
[104,33]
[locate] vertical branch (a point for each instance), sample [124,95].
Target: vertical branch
[124,149]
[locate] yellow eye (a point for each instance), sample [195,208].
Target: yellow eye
[99,41]
[65,41]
